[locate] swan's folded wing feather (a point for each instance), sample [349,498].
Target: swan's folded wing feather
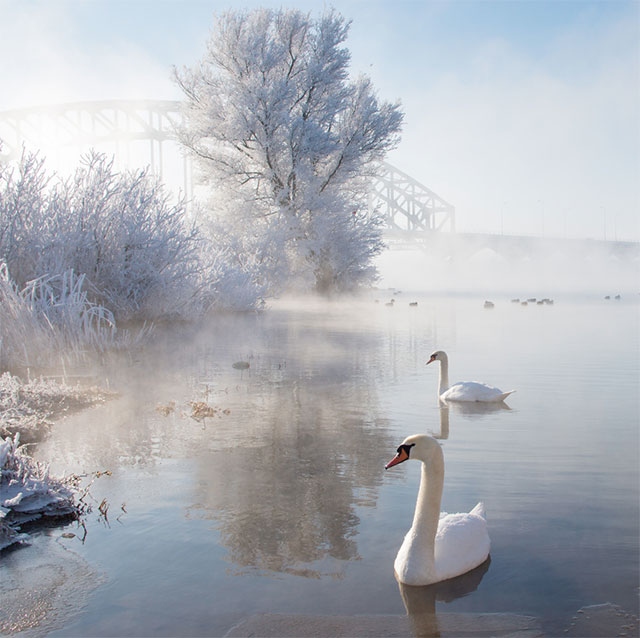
[479,510]
[474,391]
[462,543]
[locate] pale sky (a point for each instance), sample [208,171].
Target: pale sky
[525,115]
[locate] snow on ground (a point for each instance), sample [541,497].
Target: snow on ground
[29,407]
[27,491]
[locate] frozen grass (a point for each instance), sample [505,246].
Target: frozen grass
[28,493]
[52,321]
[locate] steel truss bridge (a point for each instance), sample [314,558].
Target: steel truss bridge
[140,133]
[135,133]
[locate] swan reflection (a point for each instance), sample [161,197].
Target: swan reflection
[444,422]
[469,410]
[475,409]
[420,602]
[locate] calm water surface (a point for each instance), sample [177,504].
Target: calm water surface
[281,503]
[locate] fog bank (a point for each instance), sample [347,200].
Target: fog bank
[549,267]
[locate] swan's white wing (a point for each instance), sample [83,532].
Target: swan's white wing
[474,391]
[479,510]
[462,543]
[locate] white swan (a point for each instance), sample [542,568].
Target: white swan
[438,546]
[464,390]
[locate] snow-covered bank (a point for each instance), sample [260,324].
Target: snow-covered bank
[28,408]
[28,493]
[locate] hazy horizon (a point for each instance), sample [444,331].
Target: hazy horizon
[524,116]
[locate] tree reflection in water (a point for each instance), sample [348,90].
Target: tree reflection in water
[302,443]
[284,490]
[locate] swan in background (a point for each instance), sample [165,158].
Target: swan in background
[438,546]
[464,390]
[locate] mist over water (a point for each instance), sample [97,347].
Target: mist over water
[516,266]
[237,490]
[278,501]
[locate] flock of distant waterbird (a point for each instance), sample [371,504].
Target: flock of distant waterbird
[533,300]
[490,304]
[524,302]
[539,302]
[392,301]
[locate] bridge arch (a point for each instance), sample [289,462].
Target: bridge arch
[136,132]
[407,206]
[141,132]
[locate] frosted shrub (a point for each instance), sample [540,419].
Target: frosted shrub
[51,316]
[235,287]
[23,213]
[119,230]
[99,247]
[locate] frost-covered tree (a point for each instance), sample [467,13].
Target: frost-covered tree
[289,142]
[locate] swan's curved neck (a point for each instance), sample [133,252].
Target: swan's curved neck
[443,384]
[415,563]
[427,514]
[427,511]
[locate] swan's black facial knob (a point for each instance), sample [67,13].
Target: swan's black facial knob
[403,455]
[433,357]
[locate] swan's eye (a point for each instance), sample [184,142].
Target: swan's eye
[405,448]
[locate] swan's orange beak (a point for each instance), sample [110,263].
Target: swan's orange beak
[398,458]
[433,358]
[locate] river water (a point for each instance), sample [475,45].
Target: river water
[278,501]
